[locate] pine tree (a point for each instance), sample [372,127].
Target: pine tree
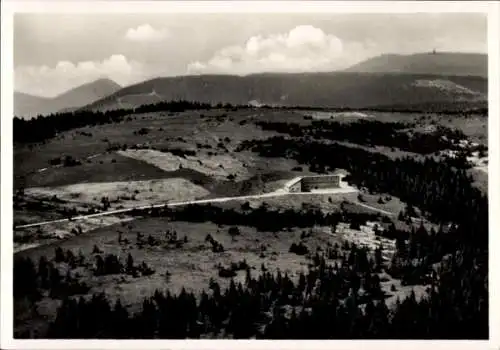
[59,255]
[130,264]
[378,259]
[120,321]
[43,272]
[100,269]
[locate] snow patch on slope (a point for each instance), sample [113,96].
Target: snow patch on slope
[447,87]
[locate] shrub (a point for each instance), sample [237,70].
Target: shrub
[355,226]
[299,249]
[245,206]
[234,231]
[141,131]
[217,247]
[59,255]
[226,273]
[146,270]
[70,161]
[55,161]
[96,250]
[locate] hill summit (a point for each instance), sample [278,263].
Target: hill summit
[29,106]
[436,63]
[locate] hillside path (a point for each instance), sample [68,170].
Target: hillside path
[277,193]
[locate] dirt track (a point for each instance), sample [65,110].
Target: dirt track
[198,201]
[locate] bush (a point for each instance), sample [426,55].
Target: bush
[231,271]
[110,265]
[217,247]
[299,249]
[146,270]
[96,250]
[234,231]
[141,131]
[55,161]
[70,161]
[59,255]
[355,226]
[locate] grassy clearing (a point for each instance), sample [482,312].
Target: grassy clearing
[217,132]
[192,265]
[475,126]
[50,233]
[389,203]
[103,168]
[393,153]
[123,194]
[218,166]
[323,202]
[161,128]
[480,179]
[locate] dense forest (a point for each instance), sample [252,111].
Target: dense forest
[262,218]
[373,132]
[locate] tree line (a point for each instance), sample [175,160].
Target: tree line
[372,132]
[262,218]
[42,128]
[442,189]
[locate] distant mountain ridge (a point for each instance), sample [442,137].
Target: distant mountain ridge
[29,106]
[330,90]
[438,63]
[418,79]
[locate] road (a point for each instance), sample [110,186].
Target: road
[277,193]
[372,208]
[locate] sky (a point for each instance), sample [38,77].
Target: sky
[56,52]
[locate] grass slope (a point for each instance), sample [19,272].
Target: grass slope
[103,168]
[338,89]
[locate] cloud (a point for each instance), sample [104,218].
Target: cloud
[304,48]
[51,81]
[146,33]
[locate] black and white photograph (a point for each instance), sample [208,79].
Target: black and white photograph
[238,174]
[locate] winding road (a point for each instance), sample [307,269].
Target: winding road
[278,193]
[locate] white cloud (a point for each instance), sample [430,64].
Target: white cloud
[304,48]
[145,33]
[50,81]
